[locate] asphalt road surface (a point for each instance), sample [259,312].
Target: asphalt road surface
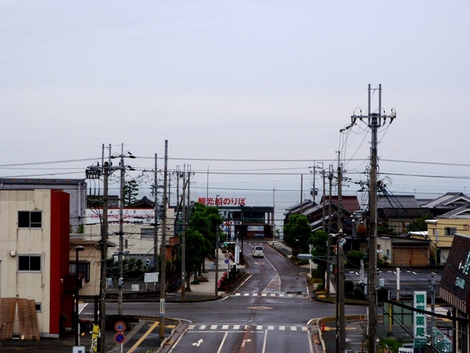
[268,312]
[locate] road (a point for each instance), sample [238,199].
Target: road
[268,312]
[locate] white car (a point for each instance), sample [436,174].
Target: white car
[258,251]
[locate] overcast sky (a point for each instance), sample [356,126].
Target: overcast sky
[253,91]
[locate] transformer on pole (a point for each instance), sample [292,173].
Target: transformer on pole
[374,121]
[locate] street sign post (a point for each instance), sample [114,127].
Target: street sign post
[120,326]
[119,338]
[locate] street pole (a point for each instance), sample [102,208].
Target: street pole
[121,231]
[104,252]
[183,239]
[163,249]
[328,265]
[216,289]
[77,288]
[340,314]
[373,121]
[155,216]
[433,308]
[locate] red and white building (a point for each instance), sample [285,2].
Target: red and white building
[34,267]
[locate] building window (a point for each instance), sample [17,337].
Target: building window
[38,307]
[83,270]
[29,263]
[449,231]
[29,219]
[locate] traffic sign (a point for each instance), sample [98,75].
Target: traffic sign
[305,256]
[119,338]
[151,277]
[119,326]
[226,261]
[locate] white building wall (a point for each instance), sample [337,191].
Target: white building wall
[132,227]
[15,242]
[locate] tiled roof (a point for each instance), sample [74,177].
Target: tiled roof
[350,203]
[450,199]
[399,201]
[460,212]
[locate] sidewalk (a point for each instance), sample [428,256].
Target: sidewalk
[324,329]
[205,290]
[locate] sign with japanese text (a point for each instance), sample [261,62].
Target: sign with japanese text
[94,338]
[255,228]
[405,350]
[129,215]
[455,283]
[222,201]
[419,319]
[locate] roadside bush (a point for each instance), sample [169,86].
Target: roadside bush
[354,258]
[225,283]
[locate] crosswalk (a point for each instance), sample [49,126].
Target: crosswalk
[265,294]
[202,327]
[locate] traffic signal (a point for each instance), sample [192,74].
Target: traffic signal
[120,281]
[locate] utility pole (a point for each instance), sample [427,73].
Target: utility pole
[373,121]
[183,238]
[163,249]
[95,172]
[341,323]
[155,215]
[323,202]
[104,254]
[314,192]
[121,231]
[216,269]
[340,314]
[340,195]
[330,178]
[122,169]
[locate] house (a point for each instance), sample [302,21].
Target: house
[441,231]
[89,266]
[139,232]
[34,267]
[403,251]
[399,211]
[325,214]
[445,203]
[455,289]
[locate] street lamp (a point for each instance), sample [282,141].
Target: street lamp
[77,286]
[340,314]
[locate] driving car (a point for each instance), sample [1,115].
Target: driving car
[258,251]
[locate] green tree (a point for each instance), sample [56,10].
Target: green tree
[319,241]
[200,237]
[354,258]
[130,191]
[196,248]
[297,233]
[384,228]
[418,224]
